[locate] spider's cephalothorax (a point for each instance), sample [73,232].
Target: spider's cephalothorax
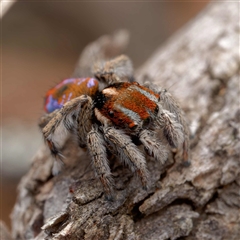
[110,118]
[122,105]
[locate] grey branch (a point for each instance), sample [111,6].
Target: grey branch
[200,66]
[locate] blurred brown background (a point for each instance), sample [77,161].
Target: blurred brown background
[41,43]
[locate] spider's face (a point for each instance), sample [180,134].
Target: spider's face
[67,90]
[126,105]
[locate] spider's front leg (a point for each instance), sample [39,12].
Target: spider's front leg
[119,69]
[169,103]
[45,119]
[173,115]
[97,150]
[153,146]
[62,120]
[127,152]
[172,130]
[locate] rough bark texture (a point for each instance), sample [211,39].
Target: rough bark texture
[200,66]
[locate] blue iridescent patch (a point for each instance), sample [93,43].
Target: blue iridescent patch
[67,90]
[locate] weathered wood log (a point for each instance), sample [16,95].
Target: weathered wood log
[200,66]
[4,232]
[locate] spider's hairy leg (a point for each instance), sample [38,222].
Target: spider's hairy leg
[127,151]
[44,120]
[84,122]
[61,121]
[153,146]
[97,150]
[119,69]
[169,102]
[172,130]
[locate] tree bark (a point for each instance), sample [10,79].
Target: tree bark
[199,65]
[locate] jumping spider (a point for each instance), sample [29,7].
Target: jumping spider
[114,118]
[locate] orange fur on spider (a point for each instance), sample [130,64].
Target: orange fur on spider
[67,90]
[125,100]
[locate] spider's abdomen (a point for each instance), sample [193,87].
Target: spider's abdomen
[67,90]
[126,104]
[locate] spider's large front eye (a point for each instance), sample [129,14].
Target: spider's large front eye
[111,114]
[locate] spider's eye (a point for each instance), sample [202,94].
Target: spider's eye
[156,110]
[111,113]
